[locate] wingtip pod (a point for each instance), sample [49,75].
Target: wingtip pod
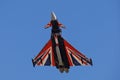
[91,62]
[33,63]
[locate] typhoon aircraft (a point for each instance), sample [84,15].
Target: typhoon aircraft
[58,52]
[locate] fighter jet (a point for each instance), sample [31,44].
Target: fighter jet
[58,52]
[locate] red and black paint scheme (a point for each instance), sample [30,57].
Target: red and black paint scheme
[58,52]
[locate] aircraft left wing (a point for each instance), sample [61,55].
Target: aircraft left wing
[75,57]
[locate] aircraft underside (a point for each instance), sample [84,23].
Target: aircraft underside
[58,52]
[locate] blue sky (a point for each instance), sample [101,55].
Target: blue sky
[92,27]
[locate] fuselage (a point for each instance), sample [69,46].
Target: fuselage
[58,47]
[55,27]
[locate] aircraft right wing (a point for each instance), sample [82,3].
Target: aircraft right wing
[45,56]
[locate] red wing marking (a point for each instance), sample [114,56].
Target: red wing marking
[74,56]
[45,56]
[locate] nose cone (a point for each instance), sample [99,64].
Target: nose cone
[53,16]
